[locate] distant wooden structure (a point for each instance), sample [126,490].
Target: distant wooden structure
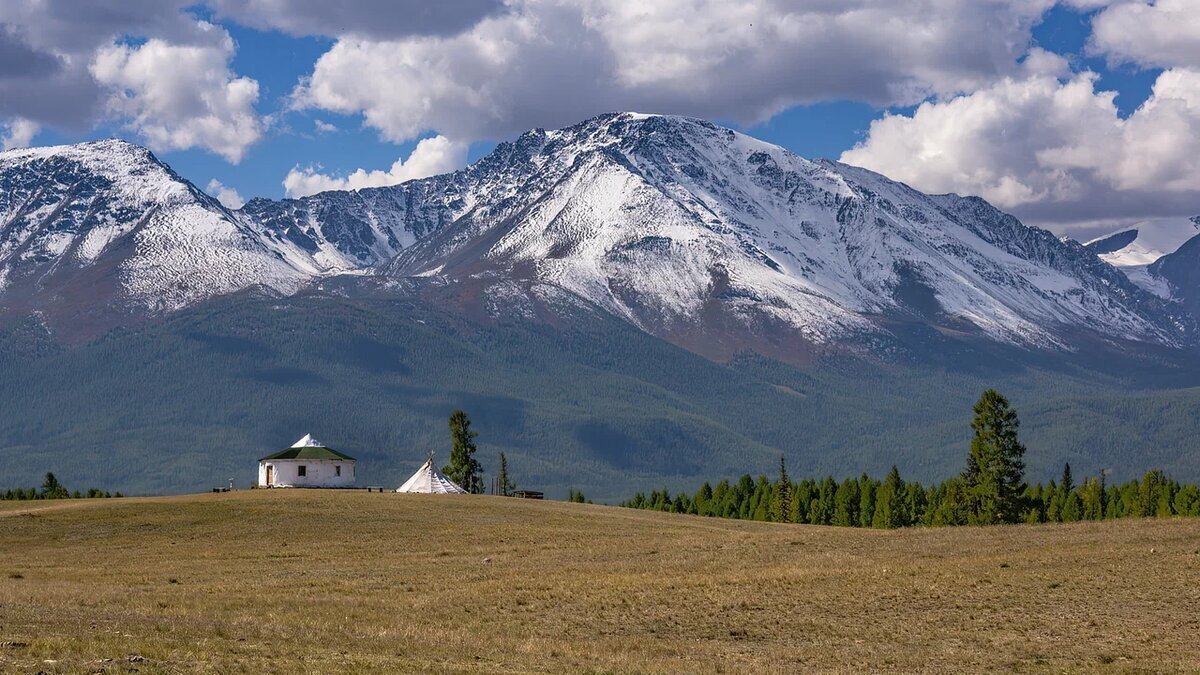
[527,494]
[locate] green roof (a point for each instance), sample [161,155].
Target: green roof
[308,452]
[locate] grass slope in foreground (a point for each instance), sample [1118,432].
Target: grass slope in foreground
[315,581]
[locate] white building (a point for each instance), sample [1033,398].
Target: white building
[308,463]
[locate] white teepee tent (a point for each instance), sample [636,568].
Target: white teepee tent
[429,480]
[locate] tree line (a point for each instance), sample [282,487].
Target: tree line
[990,490]
[53,489]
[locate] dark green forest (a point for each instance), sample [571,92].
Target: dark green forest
[991,490]
[189,401]
[52,489]
[894,502]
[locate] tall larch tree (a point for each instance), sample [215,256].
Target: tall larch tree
[1067,483]
[505,482]
[889,502]
[781,513]
[995,469]
[463,468]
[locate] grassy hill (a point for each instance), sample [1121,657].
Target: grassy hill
[336,581]
[187,402]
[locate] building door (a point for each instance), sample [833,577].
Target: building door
[270,475]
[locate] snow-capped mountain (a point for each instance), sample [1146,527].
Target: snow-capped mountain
[681,227]
[1179,273]
[87,224]
[1133,250]
[1144,242]
[106,223]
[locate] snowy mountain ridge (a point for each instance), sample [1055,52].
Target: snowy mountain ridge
[109,205]
[1136,249]
[659,219]
[1145,242]
[674,224]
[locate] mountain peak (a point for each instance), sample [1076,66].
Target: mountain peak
[111,147]
[688,230]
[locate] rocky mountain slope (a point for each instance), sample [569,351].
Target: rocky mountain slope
[675,225]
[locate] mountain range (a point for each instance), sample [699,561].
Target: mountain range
[673,228]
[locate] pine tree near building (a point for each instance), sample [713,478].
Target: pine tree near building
[995,470]
[505,483]
[463,468]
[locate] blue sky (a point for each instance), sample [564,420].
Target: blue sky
[359,91]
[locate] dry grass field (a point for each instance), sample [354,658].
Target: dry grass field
[323,581]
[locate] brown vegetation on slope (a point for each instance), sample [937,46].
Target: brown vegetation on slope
[337,581]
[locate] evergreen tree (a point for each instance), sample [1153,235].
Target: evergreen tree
[1033,504]
[1072,509]
[463,468]
[914,503]
[722,500]
[822,512]
[1092,495]
[52,489]
[505,483]
[846,502]
[760,501]
[745,491]
[995,469]
[1150,494]
[703,500]
[1187,501]
[889,502]
[867,487]
[1066,483]
[781,513]
[953,503]
[1053,498]
[803,499]
[1113,506]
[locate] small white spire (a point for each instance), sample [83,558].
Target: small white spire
[307,442]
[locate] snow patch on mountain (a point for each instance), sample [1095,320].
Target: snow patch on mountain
[1150,240]
[1134,250]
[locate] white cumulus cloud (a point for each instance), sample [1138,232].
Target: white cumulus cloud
[1163,34]
[555,62]
[225,194]
[1053,151]
[17,133]
[375,18]
[431,157]
[181,96]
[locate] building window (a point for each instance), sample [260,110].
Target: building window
[302,470]
[337,470]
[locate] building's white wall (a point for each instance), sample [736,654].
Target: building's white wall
[320,473]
